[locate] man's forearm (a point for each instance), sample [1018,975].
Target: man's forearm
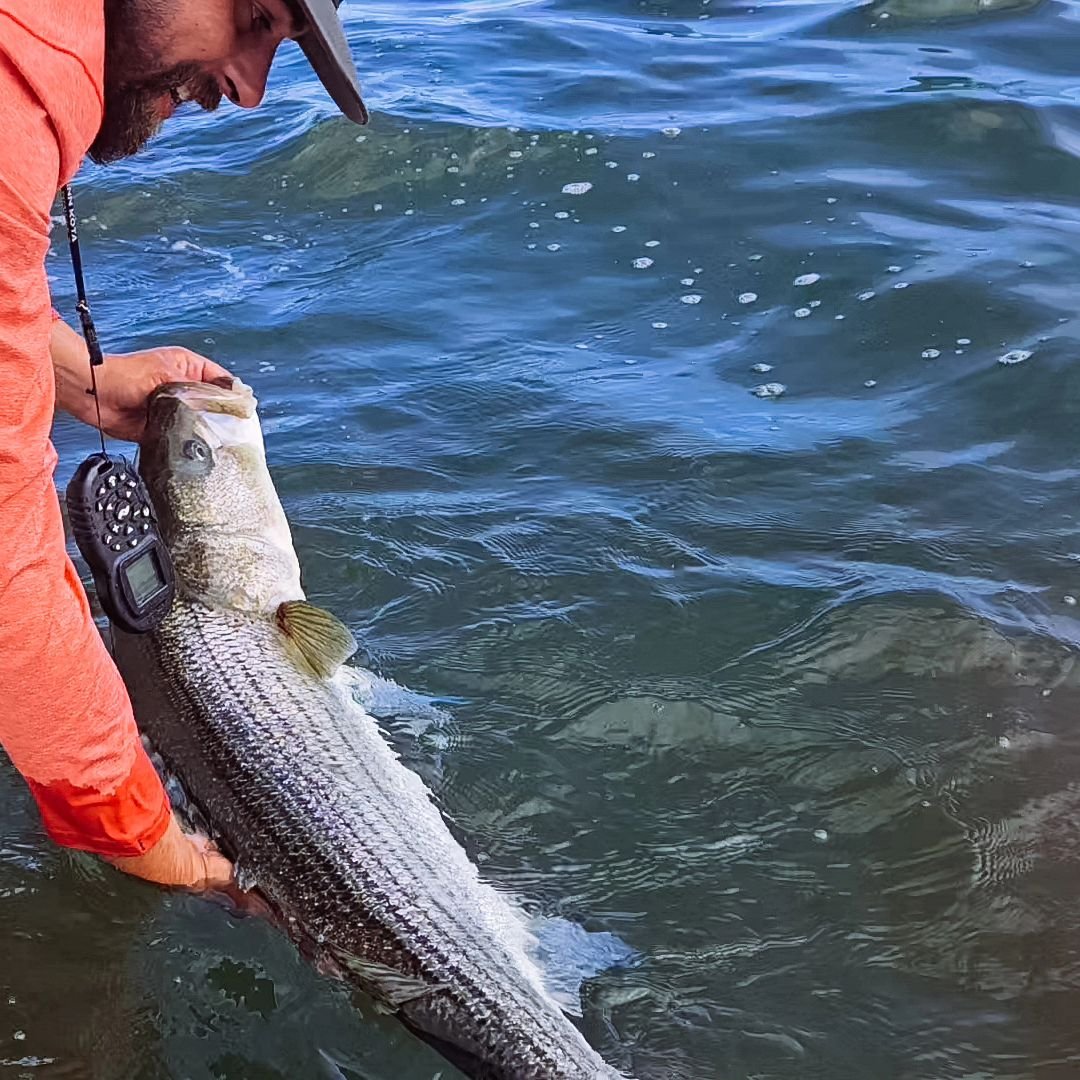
[71,365]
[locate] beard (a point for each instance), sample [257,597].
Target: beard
[137,87]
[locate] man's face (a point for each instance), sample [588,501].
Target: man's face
[161,53]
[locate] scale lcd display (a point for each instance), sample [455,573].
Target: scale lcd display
[145,577]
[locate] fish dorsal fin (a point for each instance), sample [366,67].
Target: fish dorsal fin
[388,986]
[323,641]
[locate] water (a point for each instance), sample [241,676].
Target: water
[779,690]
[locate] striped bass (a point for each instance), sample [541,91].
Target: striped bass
[242,693]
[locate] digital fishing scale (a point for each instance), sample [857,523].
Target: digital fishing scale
[112,518]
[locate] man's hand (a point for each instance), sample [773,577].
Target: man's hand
[181,860]
[125,381]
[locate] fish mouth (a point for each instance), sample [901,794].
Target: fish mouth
[227,396]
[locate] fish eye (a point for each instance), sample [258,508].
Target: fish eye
[196,450]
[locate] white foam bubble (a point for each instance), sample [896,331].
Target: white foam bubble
[802,313]
[869,294]
[931,354]
[578,187]
[769,390]
[1015,356]
[807,279]
[691,298]
[643,263]
[761,369]
[747,297]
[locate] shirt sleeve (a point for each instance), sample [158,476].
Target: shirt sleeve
[65,718]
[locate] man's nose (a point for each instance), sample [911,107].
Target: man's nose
[244,76]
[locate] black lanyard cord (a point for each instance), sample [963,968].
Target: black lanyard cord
[93,346]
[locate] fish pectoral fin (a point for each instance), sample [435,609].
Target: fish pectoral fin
[388,986]
[323,641]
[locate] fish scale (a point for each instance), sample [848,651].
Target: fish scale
[345,842]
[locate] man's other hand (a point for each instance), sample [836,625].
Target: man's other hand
[125,381]
[181,860]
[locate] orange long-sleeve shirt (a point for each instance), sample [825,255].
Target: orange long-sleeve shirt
[65,718]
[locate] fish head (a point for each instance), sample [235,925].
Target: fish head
[204,463]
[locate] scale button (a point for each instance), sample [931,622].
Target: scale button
[99,507]
[123,511]
[145,526]
[128,530]
[133,541]
[112,481]
[113,527]
[118,547]
[101,492]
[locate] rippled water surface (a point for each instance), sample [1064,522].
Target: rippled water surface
[779,690]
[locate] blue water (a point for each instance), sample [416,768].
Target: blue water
[779,691]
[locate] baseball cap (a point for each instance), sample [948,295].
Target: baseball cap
[327,49]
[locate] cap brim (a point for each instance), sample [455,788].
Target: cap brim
[327,49]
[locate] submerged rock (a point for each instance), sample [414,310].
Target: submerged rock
[939,10]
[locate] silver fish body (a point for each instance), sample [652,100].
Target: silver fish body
[299,785]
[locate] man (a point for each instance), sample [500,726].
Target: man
[100,77]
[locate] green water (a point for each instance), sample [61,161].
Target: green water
[779,690]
